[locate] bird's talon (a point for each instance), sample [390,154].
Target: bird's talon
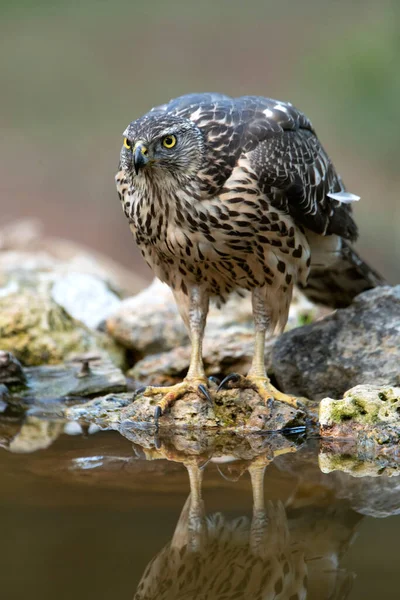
[204,392]
[139,391]
[214,380]
[232,378]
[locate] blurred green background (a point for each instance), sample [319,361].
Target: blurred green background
[74,74]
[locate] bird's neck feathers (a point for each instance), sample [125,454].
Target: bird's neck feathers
[156,189]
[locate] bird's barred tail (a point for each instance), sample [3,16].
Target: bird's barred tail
[338,284]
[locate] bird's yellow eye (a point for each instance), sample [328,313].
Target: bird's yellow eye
[127,144]
[169,141]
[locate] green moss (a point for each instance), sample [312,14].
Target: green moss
[305,319]
[355,409]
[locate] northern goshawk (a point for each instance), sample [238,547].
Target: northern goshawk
[228,194]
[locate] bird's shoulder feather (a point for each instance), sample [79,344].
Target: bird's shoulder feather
[292,167]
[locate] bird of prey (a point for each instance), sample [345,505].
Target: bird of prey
[230,194]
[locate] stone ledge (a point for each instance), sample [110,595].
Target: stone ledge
[233,410]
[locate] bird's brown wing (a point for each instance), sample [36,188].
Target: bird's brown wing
[292,167]
[297,175]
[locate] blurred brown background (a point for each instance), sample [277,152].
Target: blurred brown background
[73,74]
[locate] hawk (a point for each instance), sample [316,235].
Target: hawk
[230,194]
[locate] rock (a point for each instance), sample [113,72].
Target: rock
[11,371]
[85,298]
[150,322]
[77,379]
[39,331]
[24,247]
[356,345]
[371,413]
[222,354]
[105,410]
[233,410]
[3,398]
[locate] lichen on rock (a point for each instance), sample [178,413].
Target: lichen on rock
[374,410]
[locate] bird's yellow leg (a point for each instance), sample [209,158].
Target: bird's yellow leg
[257,378]
[195,381]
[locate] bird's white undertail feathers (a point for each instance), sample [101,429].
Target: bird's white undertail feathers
[344,197]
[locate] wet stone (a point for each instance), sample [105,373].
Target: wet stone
[232,410]
[48,387]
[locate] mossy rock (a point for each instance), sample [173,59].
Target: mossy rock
[38,331]
[365,409]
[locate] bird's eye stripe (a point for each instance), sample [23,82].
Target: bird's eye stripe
[169,141]
[127,144]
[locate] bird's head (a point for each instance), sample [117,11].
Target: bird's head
[162,146]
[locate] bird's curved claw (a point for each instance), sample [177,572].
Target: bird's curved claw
[205,393]
[214,380]
[231,378]
[139,391]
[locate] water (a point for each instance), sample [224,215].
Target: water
[84,517]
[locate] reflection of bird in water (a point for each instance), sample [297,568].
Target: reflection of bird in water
[259,559]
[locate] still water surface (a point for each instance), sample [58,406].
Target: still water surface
[102,516]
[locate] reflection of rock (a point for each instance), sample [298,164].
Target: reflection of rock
[373,491]
[377,497]
[359,344]
[339,457]
[150,323]
[371,484]
[367,477]
[35,434]
[39,331]
[206,445]
[232,410]
[371,412]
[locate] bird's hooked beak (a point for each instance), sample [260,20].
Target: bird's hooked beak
[140,156]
